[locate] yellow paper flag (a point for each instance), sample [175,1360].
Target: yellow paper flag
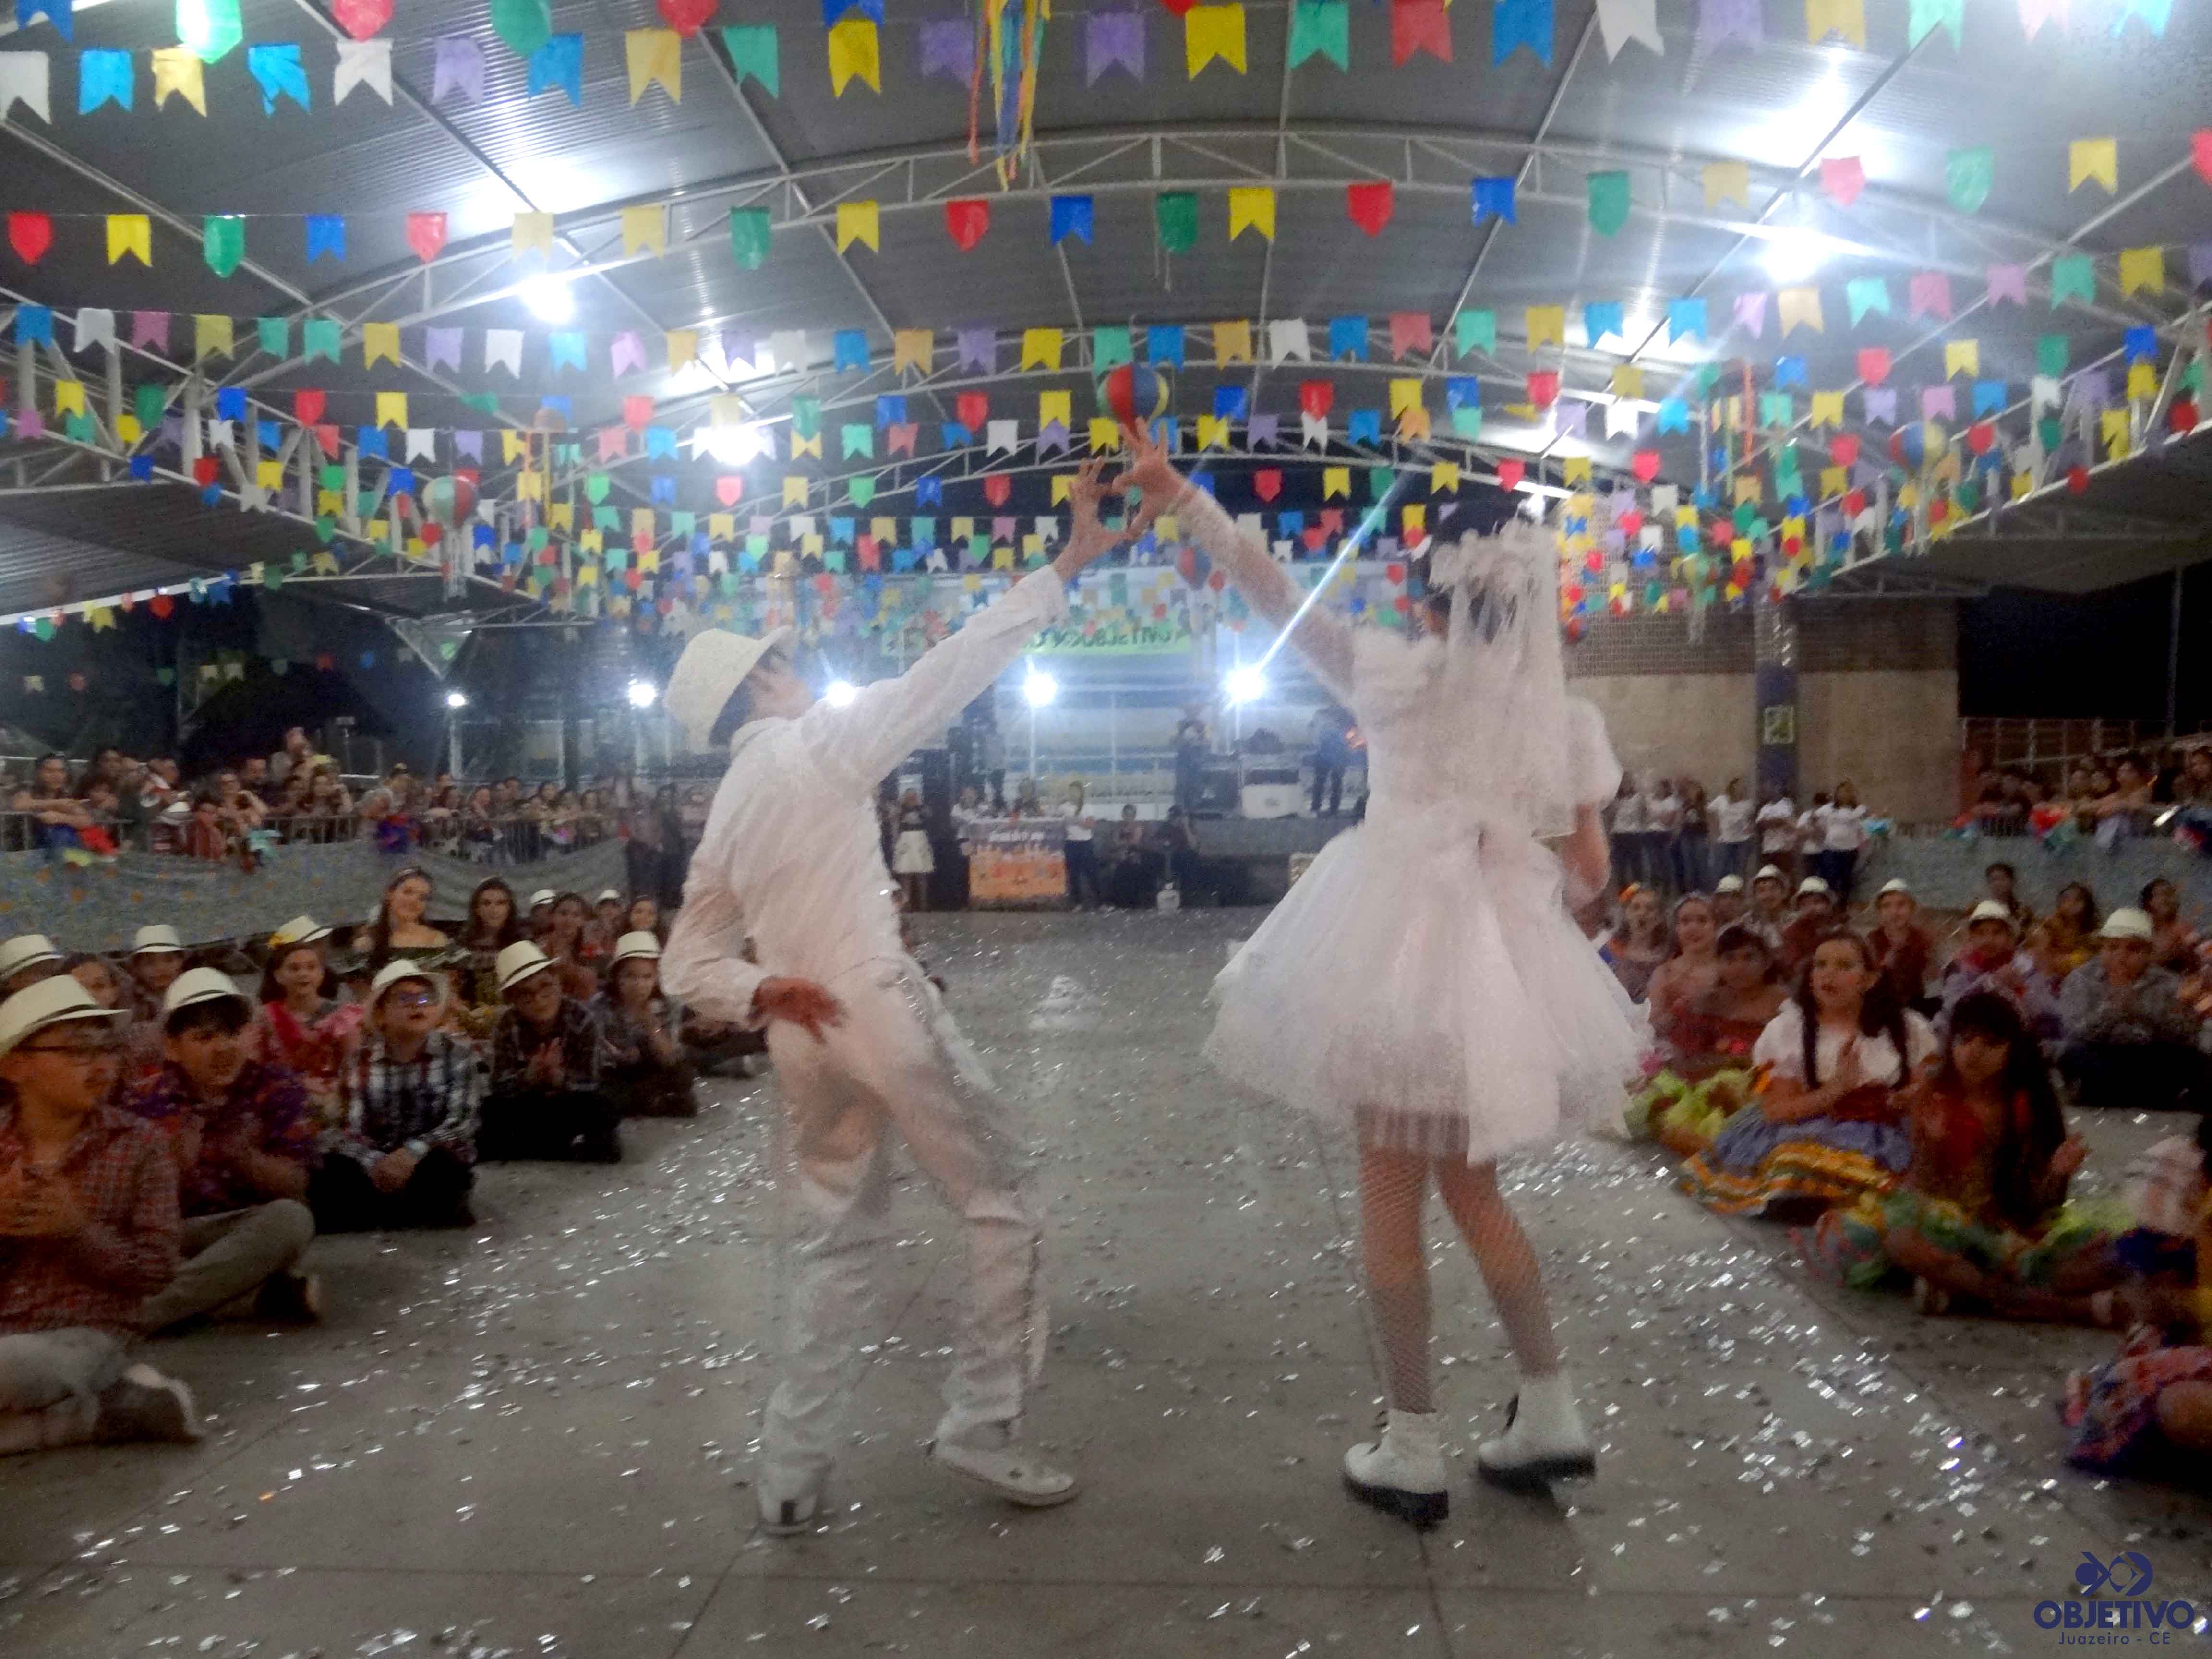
[1843,17]
[1061,484]
[794,492]
[1627,381]
[68,397]
[2143,380]
[1443,477]
[1413,520]
[1041,348]
[210,336]
[1405,394]
[2142,267]
[379,342]
[1055,406]
[1232,342]
[391,409]
[1335,481]
[1799,306]
[1211,31]
[532,233]
[806,446]
[1105,433]
[513,445]
[561,515]
[2114,424]
[2094,158]
[1545,325]
[860,221]
[854,49]
[1749,489]
[1251,206]
[127,429]
[721,526]
[1834,481]
[883,530]
[1961,357]
[1727,181]
[270,475]
[530,486]
[1575,469]
[1213,432]
[1828,408]
[914,349]
[2022,482]
[645,229]
[655,55]
[591,541]
[178,71]
[682,347]
[132,233]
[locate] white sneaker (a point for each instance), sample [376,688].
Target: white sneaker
[1544,1439]
[1008,1471]
[1403,1472]
[785,1517]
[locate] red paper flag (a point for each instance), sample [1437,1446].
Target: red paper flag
[2077,479]
[1332,520]
[637,412]
[2181,416]
[1874,364]
[1844,449]
[870,558]
[1394,571]
[1316,398]
[1313,536]
[1645,463]
[1369,205]
[327,440]
[1543,387]
[161,605]
[685,16]
[1509,474]
[1217,580]
[307,407]
[1843,178]
[974,409]
[2200,152]
[203,471]
[30,235]
[1419,26]
[1410,332]
[426,234]
[1982,437]
[997,487]
[1630,522]
[729,490]
[966,220]
[362,18]
[1267,482]
[1178,7]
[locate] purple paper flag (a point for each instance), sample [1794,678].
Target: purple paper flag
[761,525]
[948,47]
[150,329]
[1751,313]
[1263,430]
[1111,38]
[735,356]
[469,444]
[1866,474]
[458,76]
[441,345]
[31,424]
[1939,402]
[1728,19]
[1572,418]
[627,354]
[1002,529]
[2200,264]
[2008,283]
[2092,389]
[1053,435]
[1620,501]
[979,348]
[1880,404]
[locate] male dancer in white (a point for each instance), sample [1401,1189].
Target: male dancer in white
[862,1046]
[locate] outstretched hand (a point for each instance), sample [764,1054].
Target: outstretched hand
[800,1001]
[1153,474]
[1088,538]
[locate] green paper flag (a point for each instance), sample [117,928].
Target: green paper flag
[1467,420]
[1705,375]
[1379,481]
[751,47]
[1322,26]
[2073,277]
[1745,512]
[863,491]
[224,243]
[1776,408]
[1927,14]
[483,403]
[2048,432]
[1176,211]
[318,337]
[207,29]
[1110,345]
[44,628]
[525,25]
[165,676]
[750,237]
[833,560]
[805,417]
[325,527]
[1967,494]
[1967,174]
[539,536]
[606,518]
[77,427]
[596,488]
[365,503]
[272,577]
[2051,354]
[1608,202]
[275,334]
[330,476]
[299,566]
[148,401]
[1473,329]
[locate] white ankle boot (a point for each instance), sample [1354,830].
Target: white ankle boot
[1403,1474]
[1544,1439]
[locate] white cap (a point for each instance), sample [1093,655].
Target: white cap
[199,985]
[518,962]
[1769,872]
[1896,885]
[2127,923]
[1729,884]
[300,930]
[26,951]
[712,665]
[1813,885]
[543,896]
[640,943]
[155,936]
[606,893]
[1990,911]
[49,1002]
[392,972]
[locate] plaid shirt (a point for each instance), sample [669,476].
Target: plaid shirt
[584,1051]
[267,1102]
[429,1100]
[127,1188]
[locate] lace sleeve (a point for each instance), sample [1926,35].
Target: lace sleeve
[1323,638]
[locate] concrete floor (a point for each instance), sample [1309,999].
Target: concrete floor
[534,1439]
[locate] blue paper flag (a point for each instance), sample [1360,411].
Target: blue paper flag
[1673,415]
[833,10]
[372,443]
[401,481]
[277,70]
[1602,318]
[1347,338]
[929,492]
[211,495]
[2141,343]
[269,435]
[850,346]
[659,443]
[1071,216]
[1989,397]
[661,489]
[1790,371]
[230,403]
[559,63]
[1462,391]
[1364,426]
[34,326]
[1516,23]
[57,11]
[953,435]
[891,409]
[1232,403]
[1163,344]
[1686,319]
[326,234]
[104,77]
[1493,198]
[141,467]
[1289,525]
[565,348]
[840,529]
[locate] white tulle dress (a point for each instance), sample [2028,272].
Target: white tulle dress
[1423,981]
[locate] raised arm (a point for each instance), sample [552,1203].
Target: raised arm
[1322,637]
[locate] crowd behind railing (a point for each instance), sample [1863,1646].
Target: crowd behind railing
[2107,800]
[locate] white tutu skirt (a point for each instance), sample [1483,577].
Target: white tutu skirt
[1436,997]
[911,855]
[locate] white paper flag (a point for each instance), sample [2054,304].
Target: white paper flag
[1623,21]
[95,325]
[2044,392]
[1665,498]
[26,76]
[1003,436]
[1287,341]
[789,347]
[362,63]
[1621,416]
[802,524]
[1313,431]
[503,346]
[422,443]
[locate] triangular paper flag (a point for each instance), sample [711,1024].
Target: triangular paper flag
[132,233]
[27,78]
[645,229]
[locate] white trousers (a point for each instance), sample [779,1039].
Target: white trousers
[895,1064]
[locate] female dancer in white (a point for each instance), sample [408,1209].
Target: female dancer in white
[1424,983]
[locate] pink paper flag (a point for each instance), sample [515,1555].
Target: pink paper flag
[2008,283]
[2034,14]
[1751,313]
[614,442]
[1939,402]
[1843,178]
[627,354]
[150,329]
[1929,294]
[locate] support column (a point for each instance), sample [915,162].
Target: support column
[1774,679]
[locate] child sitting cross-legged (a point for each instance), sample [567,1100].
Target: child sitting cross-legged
[648,1074]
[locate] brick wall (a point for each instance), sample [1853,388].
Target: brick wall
[1834,636]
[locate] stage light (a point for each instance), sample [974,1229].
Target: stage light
[549,297]
[839,694]
[1793,255]
[457,699]
[1040,688]
[1246,684]
[643,694]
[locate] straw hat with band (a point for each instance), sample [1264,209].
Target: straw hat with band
[712,666]
[156,937]
[606,894]
[518,962]
[49,1002]
[197,985]
[300,930]
[640,944]
[1729,884]
[26,951]
[543,896]
[1990,911]
[2127,923]
[1770,872]
[392,972]
[1895,884]
[1814,884]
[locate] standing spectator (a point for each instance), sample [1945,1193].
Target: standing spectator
[1191,744]
[1732,811]
[1132,877]
[26,959]
[55,812]
[297,755]
[405,1154]
[548,1052]
[2173,941]
[1843,833]
[648,1074]
[1776,820]
[2194,786]
[1814,920]
[1693,840]
[1626,826]
[243,1140]
[2003,884]
[206,836]
[1332,741]
[2124,811]
[1082,847]
[239,808]
[479,829]
[1639,944]
[1662,830]
[1813,835]
[1179,839]
[87,1232]
[2130,1034]
[912,860]
[1903,953]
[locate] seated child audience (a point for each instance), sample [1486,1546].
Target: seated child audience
[157,956]
[1730,903]
[1902,948]
[1993,961]
[1702,1065]
[493,925]
[303,1027]
[648,1074]
[1691,971]
[244,1141]
[547,1058]
[404,1155]
[605,925]
[1770,913]
[2066,938]
[564,940]
[87,1233]
[1828,1125]
[1639,944]
[1813,919]
[2130,1026]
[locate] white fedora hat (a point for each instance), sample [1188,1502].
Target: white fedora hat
[1990,911]
[712,666]
[200,985]
[640,943]
[155,937]
[543,896]
[49,1002]
[26,951]
[2129,923]
[300,930]
[392,972]
[1814,884]
[606,893]
[518,962]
